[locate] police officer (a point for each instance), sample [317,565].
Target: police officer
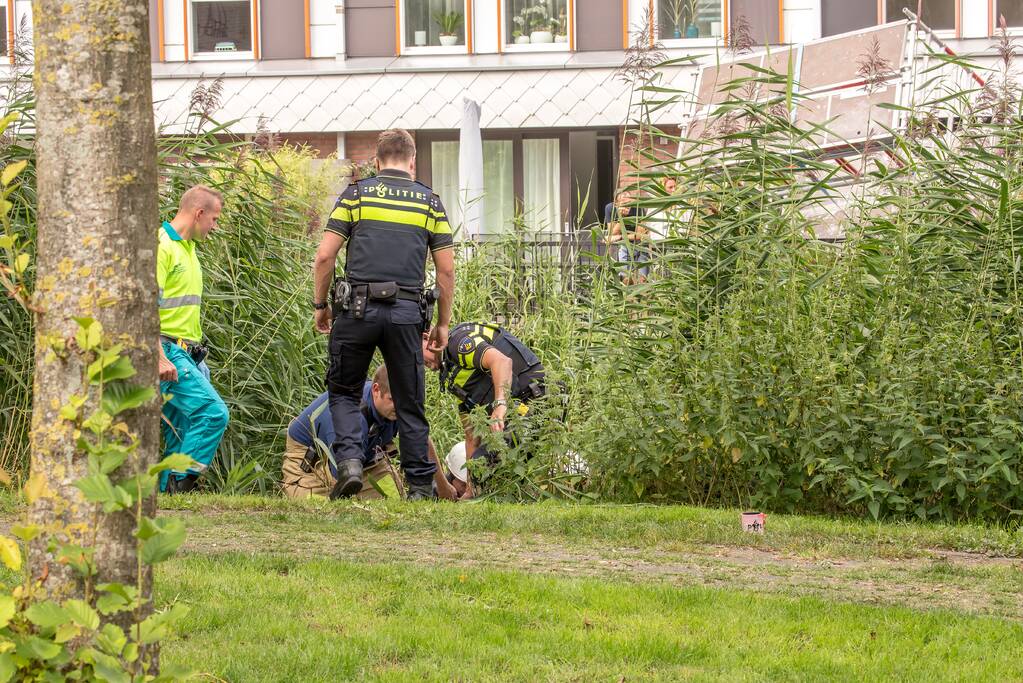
[389,223]
[485,365]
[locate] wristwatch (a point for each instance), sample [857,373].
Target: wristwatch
[320,306]
[501,402]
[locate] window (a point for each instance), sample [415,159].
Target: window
[535,25]
[3,29]
[842,16]
[498,187]
[689,20]
[940,15]
[1012,10]
[221,28]
[433,25]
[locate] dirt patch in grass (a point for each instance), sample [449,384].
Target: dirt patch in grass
[969,582]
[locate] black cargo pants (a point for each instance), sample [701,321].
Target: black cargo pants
[396,329]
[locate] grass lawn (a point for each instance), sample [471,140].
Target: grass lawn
[316,591]
[287,591]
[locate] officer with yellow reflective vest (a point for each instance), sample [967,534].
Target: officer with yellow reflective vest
[485,365]
[195,417]
[390,224]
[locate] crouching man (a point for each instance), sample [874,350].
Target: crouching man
[307,470]
[484,365]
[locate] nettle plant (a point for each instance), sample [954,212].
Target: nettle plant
[110,633]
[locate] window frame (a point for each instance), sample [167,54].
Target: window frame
[190,45]
[413,50]
[424,140]
[957,19]
[504,16]
[992,21]
[710,41]
[8,52]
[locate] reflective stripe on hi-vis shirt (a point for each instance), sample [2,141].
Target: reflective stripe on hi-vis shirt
[179,301]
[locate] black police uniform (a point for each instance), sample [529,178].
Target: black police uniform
[389,222]
[462,372]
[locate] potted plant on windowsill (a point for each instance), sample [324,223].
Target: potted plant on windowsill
[560,28]
[676,17]
[692,30]
[449,22]
[533,25]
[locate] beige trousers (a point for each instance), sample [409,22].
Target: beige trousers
[319,482]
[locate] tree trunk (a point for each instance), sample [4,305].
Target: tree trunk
[97,221]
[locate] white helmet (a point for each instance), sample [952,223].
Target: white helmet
[456,461]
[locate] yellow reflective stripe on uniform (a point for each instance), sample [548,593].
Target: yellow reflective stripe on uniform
[376,213]
[352,203]
[440,227]
[343,214]
[463,376]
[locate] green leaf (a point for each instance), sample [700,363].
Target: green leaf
[7,609]
[108,668]
[11,172]
[38,649]
[147,529]
[115,598]
[98,422]
[21,263]
[47,614]
[97,488]
[8,120]
[6,241]
[121,369]
[111,639]
[874,507]
[120,397]
[139,486]
[179,462]
[66,632]
[82,614]
[26,532]
[90,333]
[69,413]
[112,604]
[7,667]
[157,626]
[110,459]
[162,546]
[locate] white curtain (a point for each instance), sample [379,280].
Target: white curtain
[498,184]
[444,163]
[541,162]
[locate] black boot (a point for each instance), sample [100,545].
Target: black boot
[349,479]
[185,484]
[421,491]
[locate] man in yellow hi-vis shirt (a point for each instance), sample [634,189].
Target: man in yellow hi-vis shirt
[195,415]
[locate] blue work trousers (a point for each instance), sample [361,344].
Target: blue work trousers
[196,414]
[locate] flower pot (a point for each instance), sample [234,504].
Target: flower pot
[447,40]
[560,39]
[522,40]
[677,34]
[420,39]
[692,31]
[541,37]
